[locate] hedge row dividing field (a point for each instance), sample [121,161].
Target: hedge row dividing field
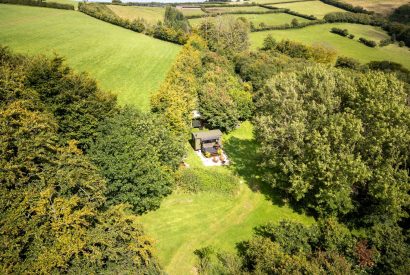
[130,64]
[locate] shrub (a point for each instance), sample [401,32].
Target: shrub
[348,7]
[342,32]
[367,42]
[401,44]
[347,62]
[385,42]
[351,36]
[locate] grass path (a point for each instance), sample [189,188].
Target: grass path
[186,222]
[320,34]
[129,64]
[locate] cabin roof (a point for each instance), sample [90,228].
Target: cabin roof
[204,135]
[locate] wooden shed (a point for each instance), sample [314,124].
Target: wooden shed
[207,141]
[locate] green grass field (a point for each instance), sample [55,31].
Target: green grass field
[315,8]
[236,9]
[190,11]
[270,19]
[129,64]
[150,14]
[320,34]
[277,1]
[186,222]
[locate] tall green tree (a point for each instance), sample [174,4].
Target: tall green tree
[137,156]
[337,141]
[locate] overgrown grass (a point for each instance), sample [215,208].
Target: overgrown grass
[188,221]
[150,14]
[384,7]
[270,19]
[320,34]
[191,11]
[129,64]
[315,8]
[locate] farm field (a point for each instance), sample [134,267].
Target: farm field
[315,8]
[186,222]
[150,14]
[188,11]
[270,19]
[129,64]
[236,9]
[320,34]
[279,1]
[384,7]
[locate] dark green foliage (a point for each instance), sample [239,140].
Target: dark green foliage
[394,248]
[53,217]
[170,34]
[137,156]
[342,32]
[347,62]
[358,18]
[74,100]
[367,42]
[39,3]
[222,98]
[401,14]
[337,141]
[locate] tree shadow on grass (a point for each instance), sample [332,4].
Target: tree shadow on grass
[244,162]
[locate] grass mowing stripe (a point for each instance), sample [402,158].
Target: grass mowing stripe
[129,64]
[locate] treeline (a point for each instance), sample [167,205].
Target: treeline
[75,169]
[397,31]
[39,3]
[293,25]
[174,29]
[346,6]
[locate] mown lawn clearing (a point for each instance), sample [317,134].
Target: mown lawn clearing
[188,221]
[129,64]
[320,34]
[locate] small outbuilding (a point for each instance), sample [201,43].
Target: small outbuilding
[207,141]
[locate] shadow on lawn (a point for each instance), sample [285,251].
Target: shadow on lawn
[244,162]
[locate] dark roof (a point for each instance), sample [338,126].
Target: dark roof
[204,135]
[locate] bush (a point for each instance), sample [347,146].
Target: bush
[367,42]
[342,32]
[38,3]
[385,42]
[347,62]
[351,36]
[401,44]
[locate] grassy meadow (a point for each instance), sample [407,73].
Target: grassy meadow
[188,221]
[384,7]
[188,11]
[150,14]
[236,9]
[316,8]
[321,35]
[129,64]
[270,19]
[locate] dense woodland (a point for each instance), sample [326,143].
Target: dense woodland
[333,135]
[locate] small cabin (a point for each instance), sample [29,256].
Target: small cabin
[207,141]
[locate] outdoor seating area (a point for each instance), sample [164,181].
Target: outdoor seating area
[208,146]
